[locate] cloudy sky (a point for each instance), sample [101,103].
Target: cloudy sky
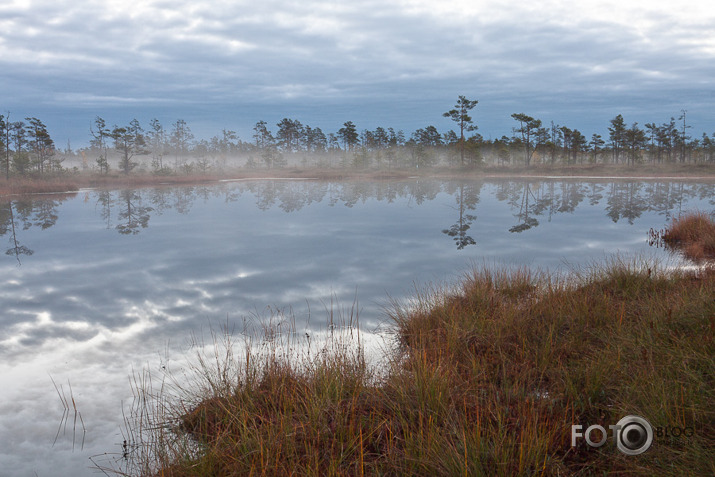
[227,64]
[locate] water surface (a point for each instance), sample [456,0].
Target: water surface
[98,284]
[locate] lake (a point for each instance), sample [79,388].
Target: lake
[98,285]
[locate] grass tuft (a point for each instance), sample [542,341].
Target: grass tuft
[694,234]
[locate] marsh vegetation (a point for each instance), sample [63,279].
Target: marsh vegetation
[485,380]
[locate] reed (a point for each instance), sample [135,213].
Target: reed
[69,410]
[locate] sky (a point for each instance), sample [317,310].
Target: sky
[228,64]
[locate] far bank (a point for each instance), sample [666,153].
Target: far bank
[74,180]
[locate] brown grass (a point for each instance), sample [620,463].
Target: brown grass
[701,170]
[484,381]
[73,181]
[29,185]
[694,234]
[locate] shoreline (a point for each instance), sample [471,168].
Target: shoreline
[68,183]
[496,374]
[507,373]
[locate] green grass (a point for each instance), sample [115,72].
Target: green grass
[484,381]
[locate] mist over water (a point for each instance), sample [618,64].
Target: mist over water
[99,284]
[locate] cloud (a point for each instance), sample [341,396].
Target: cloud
[318,57]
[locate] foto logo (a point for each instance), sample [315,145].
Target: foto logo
[633,435]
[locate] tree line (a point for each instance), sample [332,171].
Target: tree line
[27,146]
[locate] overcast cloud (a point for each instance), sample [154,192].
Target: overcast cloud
[230,63]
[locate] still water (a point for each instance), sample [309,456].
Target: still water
[99,284]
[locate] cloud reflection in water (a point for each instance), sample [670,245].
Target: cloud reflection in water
[121,279]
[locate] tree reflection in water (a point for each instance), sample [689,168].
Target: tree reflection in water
[30,212]
[467,199]
[132,214]
[531,201]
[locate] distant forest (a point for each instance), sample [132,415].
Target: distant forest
[27,147]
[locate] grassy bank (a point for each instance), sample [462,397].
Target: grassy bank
[694,234]
[74,181]
[484,380]
[45,185]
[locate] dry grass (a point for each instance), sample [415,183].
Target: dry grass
[700,170]
[73,181]
[694,234]
[487,381]
[29,185]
